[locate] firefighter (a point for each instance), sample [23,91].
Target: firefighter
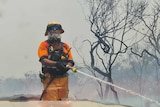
[54,56]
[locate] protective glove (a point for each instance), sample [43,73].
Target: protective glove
[62,69]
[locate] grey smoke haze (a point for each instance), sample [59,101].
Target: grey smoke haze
[23,23]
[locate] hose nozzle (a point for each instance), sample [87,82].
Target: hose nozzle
[72,68]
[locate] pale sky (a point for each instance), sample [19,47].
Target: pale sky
[23,24]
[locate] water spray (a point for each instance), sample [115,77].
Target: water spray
[116,86]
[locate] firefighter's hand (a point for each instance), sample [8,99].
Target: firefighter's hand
[69,64]
[61,68]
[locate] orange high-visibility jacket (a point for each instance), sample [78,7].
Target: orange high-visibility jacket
[43,50]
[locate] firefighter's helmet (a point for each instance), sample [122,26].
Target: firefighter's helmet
[54,25]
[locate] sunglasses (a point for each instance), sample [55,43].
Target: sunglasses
[54,27]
